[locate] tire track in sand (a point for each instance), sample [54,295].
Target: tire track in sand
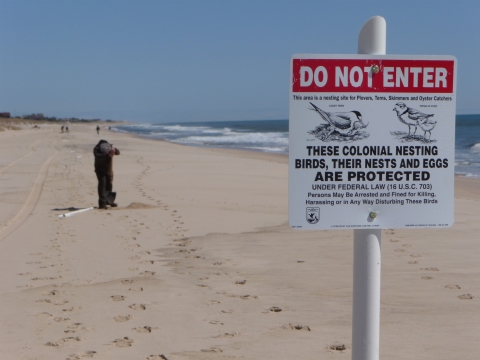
[33,197]
[31,148]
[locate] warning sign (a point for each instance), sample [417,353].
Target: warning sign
[372,141]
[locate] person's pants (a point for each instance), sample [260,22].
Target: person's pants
[104,188]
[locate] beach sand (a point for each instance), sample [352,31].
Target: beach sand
[198,260]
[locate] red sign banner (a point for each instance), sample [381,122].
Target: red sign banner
[373,75]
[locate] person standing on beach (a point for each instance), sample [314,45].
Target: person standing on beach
[98,129]
[104,153]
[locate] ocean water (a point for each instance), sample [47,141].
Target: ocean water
[272,136]
[467,145]
[262,135]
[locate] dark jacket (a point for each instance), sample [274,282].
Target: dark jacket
[103,157]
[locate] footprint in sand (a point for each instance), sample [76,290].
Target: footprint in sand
[430,269]
[147,273]
[53,292]
[117,297]
[138,307]
[466,297]
[212,350]
[148,262]
[74,326]
[61,319]
[216,322]
[244,297]
[413,262]
[157,357]
[213,302]
[46,266]
[136,289]
[228,335]
[44,300]
[296,327]
[240,282]
[60,302]
[121,318]
[427,278]
[52,344]
[44,314]
[82,355]
[453,287]
[62,341]
[125,342]
[143,330]
[337,347]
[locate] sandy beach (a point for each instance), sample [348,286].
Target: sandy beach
[198,260]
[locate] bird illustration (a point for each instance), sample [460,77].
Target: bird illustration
[427,125]
[412,117]
[345,123]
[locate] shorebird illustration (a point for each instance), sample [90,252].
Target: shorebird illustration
[427,125]
[344,123]
[412,117]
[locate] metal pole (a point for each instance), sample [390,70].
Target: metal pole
[367,243]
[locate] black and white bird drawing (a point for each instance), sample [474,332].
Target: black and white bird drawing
[415,118]
[345,123]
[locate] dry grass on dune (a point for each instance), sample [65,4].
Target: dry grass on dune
[17,123]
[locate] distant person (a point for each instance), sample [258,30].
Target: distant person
[104,153]
[63,127]
[109,128]
[98,129]
[66,128]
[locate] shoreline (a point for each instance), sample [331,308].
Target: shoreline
[198,261]
[460,174]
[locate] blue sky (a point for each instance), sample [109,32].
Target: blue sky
[186,60]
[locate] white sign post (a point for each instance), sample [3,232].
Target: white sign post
[371,147]
[367,243]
